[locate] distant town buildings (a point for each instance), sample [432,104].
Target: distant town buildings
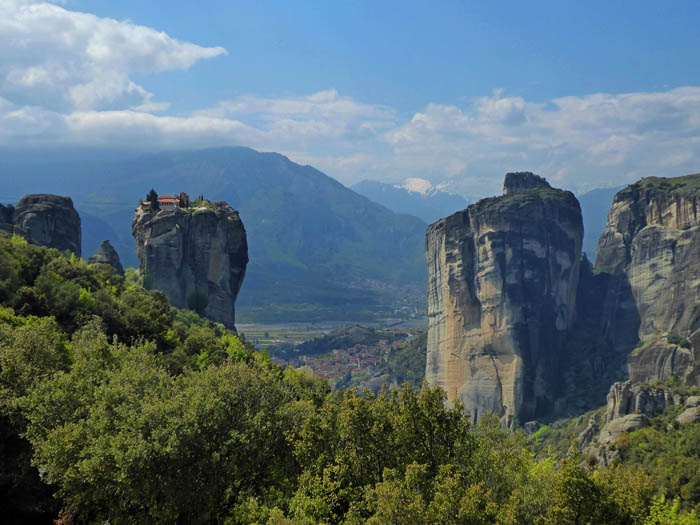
[170,202]
[354,360]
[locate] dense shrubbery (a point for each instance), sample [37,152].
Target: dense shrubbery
[135,412]
[670,453]
[407,364]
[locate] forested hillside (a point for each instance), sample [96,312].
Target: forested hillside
[116,407]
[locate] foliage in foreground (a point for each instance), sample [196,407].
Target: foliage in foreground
[136,413]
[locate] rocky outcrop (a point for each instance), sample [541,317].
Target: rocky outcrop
[502,279]
[630,398]
[44,220]
[651,245]
[198,254]
[691,412]
[106,254]
[658,360]
[523,180]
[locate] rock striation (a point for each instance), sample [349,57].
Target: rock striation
[651,246]
[44,220]
[649,257]
[198,252]
[502,283]
[106,254]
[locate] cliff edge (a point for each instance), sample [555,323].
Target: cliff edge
[651,249]
[44,220]
[196,256]
[502,280]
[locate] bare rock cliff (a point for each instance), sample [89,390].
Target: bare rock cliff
[44,220]
[200,251]
[651,246]
[649,255]
[502,280]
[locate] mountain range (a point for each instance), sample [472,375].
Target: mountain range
[429,205]
[318,250]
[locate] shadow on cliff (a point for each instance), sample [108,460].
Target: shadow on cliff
[605,332]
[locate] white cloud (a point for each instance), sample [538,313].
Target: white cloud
[63,60]
[577,142]
[66,77]
[297,121]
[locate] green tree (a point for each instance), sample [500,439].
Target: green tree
[152,197]
[668,513]
[125,441]
[197,301]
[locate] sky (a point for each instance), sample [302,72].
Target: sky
[450,93]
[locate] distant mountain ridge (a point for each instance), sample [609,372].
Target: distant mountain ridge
[317,249]
[428,206]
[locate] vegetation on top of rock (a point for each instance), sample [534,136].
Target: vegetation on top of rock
[523,180]
[675,339]
[515,202]
[688,185]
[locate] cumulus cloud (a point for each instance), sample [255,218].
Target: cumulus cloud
[67,77]
[579,142]
[64,60]
[322,116]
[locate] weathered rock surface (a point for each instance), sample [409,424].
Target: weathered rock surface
[202,250]
[502,279]
[106,254]
[523,180]
[692,401]
[44,220]
[689,415]
[658,360]
[629,398]
[629,423]
[652,245]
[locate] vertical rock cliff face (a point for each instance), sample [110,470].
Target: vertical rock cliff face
[651,249]
[199,251]
[44,220]
[502,279]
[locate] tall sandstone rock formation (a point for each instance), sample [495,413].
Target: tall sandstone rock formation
[502,280]
[44,220]
[650,251]
[651,247]
[649,257]
[194,251]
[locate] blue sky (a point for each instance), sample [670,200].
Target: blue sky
[588,94]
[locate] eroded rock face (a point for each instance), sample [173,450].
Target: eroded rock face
[502,278]
[198,251]
[106,254]
[45,220]
[629,398]
[651,244]
[523,180]
[657,360]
